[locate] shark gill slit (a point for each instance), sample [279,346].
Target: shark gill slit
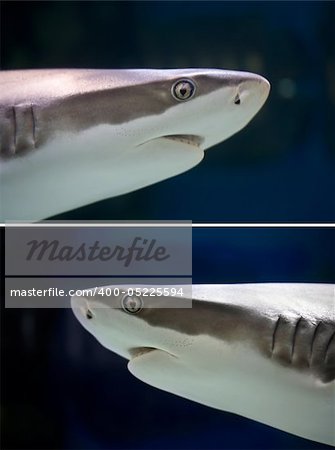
[328,346]
[33,124]
[14,128]
[313,340]
[294,337]
[274,335]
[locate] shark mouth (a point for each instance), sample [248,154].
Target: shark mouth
[189,139]
[140,351]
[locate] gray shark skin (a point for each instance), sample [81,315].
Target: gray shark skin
[263,351]
[70,137]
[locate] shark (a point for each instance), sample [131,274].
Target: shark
[265,351]
[70,137]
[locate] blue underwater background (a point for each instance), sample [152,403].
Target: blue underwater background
[280,168]
[60,389]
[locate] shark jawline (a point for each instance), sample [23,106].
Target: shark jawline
[190,139]
[136,352]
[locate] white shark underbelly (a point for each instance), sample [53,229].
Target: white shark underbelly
[69,137]
[84,168]
[237,379]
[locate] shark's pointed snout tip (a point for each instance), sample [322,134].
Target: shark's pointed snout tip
[76,304]
[255,83]
[260,86]
[76,301]
[264,84]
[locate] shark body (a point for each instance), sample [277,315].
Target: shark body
[263,351]
[70,137]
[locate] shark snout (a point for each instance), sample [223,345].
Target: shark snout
[256,86]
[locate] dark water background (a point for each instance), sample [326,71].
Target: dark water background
[60,388]
[280,168]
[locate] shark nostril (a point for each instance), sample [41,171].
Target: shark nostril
[89,314]
[86,312]
[237,99]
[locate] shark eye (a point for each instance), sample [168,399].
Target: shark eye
[132,304]
[183,90]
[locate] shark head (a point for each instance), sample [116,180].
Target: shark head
[264,351]
[79,136]
[131,326]
[200,107]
